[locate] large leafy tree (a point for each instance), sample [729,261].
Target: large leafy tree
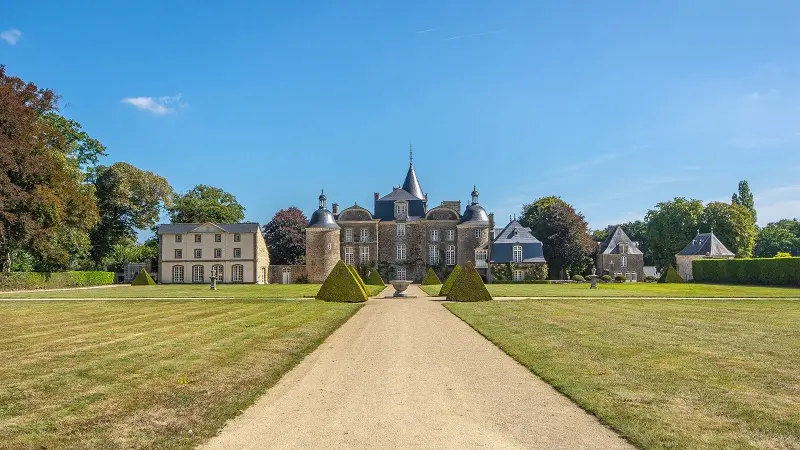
[45,208]
[733,226]
[743,197]
[129,199]
[781,236]
[637,231]
[286,236]
[205,204]
[670,226]
[564,234]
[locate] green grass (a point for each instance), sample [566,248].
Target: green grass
[185,291]
[431,289]
[145,374]
[641,290]
[665,374]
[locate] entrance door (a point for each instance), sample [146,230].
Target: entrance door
[286,275]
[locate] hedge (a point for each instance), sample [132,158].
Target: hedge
[766,271]
[469,287]
[431,278]
[359,280]
[53,280]
[341,286]
[374,279]
[448,283]
[671,276]
[521,282]
[143,279]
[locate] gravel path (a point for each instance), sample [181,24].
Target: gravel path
[406,373]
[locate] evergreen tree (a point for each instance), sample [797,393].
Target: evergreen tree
[745,198]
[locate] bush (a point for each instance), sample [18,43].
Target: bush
[468,287]
[431,278]
[341,286]
[358,280]
[143,279]
[521,282]
[606,278]
[649,279]
[54,280]
[578,278]
[620,279]
[766,271]
[302,279]
[448,283]
[374,279]
[783,255]
[671,276]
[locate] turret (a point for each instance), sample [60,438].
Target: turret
[322,243]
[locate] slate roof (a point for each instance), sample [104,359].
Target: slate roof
[411,184]
[180,228]
[475,215]
[515,233]
[706,244]
[611,244]
[398,194]
[322,218]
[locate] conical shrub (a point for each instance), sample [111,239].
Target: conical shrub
[341,286]
[431,278]
[358,279]
[671,276]
[374,279]
[448,283]
[143,279]
[469,287]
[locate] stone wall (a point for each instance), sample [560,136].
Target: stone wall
[298,272]
[685,266]
[635,263]
[262,260]
[467,243]
[322,253]
[387,262]
[357,243]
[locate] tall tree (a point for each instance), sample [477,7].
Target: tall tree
[129,199]
[781,236]
[564,234]
[205,204]
[733,226]
[745,198]
[286,236]
[670,226]
[42,199]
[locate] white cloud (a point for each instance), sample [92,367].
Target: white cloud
[597,161]
[778,203]
[11,36]
[156,105]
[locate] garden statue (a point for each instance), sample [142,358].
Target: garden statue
[593,278]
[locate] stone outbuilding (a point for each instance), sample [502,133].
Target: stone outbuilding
[704,245]
[516,255]
[619,256]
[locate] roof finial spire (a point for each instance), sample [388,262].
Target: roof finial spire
[410,155]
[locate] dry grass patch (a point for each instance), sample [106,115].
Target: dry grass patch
[667,373]
[145,374]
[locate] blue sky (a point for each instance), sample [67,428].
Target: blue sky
[614,106]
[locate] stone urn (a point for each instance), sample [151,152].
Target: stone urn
[400,287]
[593,278]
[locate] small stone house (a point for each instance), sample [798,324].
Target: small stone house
[704,245]
[516,249]
[619,256]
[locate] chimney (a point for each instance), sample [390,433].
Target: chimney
[335,208]
[377,196]
[491,226]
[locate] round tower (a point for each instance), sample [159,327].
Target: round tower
[322,243]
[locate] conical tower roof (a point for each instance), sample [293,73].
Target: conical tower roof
[411,185]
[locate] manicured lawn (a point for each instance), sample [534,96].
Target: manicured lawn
[665,374]
[145,374]
[184,291]
[640,290]
[432,289]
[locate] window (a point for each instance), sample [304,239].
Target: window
[518,275]
[237,273]
[365,235]
[348,256]
[217,253]
[450,255]
[451,235]
[237,253]
[623,248]
[480,258]
[433,255]
[401,252]
[348,235]
[401,273]
[237,237]
[178,238]
[400,210]
[624,261]
[217,271]
[478,233]
[364,256]
[177,274]
[217,238]
[198,238]
[633,276]
[516,253]
[178,253]
[401,230]
[197,274]
[434,235]
[198,253]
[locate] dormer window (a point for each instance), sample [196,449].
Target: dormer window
[400,210]
[516,253]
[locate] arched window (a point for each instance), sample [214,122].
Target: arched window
[177,274]
[197,274]
[237,272]
[217,271]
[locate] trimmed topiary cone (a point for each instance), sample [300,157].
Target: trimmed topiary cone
[469,287]
[374,279]
[431,278]
[143,279]
[671,276]
[448,283]
[341,286]
[359,280]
